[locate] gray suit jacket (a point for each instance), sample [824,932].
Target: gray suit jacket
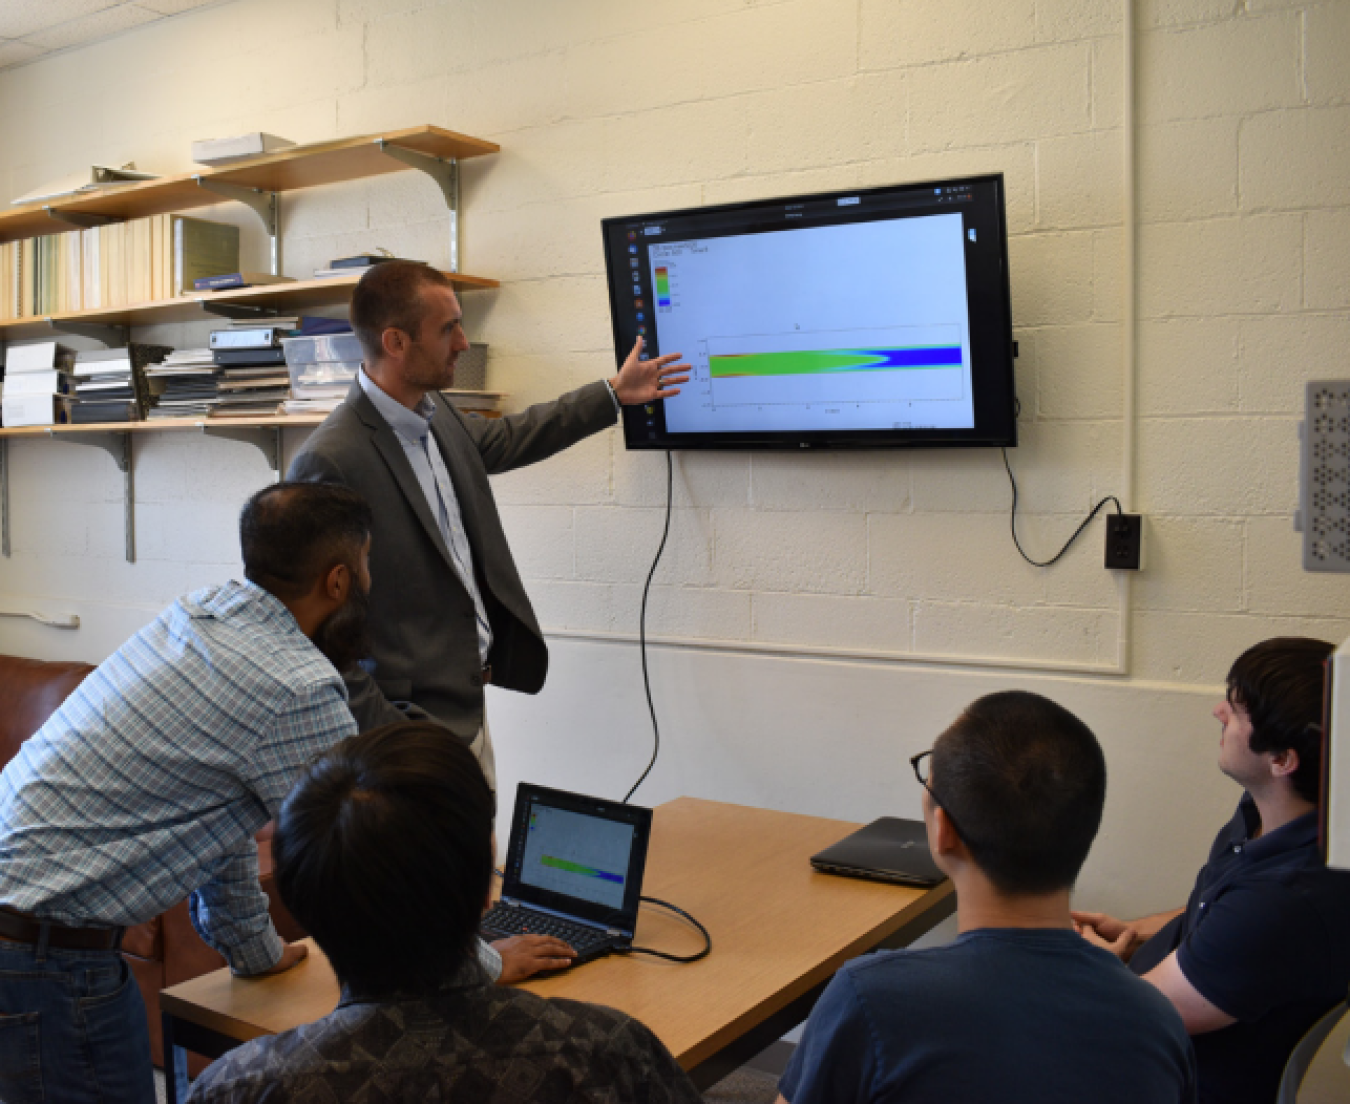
[422,618]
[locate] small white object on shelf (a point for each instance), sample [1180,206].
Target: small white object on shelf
[220,151]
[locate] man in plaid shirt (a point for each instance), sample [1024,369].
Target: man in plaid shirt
[150,782]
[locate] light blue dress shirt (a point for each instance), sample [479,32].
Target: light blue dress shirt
[413,430]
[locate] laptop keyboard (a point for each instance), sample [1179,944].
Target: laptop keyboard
[503,921]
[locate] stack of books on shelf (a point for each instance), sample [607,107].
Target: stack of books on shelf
[111,385]
[355,266]
[253,378]
[185,384]
[38,383]
[116,265]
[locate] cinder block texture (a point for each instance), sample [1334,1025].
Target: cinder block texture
[1272,176]
[1228,68]
[610,108]
[1326,248]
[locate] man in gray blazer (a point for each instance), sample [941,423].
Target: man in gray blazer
[448,612]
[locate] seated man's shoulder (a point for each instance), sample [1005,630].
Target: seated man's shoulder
[549,1050]
[600,1049]
[293,1064]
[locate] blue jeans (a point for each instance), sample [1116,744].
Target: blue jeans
[72,1029]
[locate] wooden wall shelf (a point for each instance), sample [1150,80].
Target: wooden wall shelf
[197,307]
[284,171]
[257,183]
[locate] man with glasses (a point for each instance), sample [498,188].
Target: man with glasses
[1262,949]
[1017,1007]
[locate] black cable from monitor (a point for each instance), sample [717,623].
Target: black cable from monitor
[707,939]
[1012,516]
[642,630]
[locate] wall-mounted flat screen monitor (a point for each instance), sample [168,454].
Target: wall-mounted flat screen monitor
[866,318]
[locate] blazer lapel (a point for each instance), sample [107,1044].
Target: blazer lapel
[465,494]
[391,449]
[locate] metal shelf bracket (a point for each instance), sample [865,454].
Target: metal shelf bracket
[445,171]
[118,446]
[266,439]
[111,336]
[266,205]
[78,218]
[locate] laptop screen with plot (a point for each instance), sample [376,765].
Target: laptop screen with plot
[572,858]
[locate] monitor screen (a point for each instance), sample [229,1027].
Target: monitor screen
[869,318]
[577,855]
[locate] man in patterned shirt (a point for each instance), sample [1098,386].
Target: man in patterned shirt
[384,852]
[150,782]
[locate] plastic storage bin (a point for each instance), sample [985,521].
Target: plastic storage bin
[322,367]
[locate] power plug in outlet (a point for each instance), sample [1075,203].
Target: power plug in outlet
[1124,542]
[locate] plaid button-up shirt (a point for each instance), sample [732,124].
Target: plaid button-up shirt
[151,780]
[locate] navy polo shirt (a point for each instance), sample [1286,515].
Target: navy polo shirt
[1265,938]
[998,1015]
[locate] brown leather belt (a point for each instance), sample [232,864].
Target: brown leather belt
[17,927]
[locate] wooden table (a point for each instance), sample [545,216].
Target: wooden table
[780,931]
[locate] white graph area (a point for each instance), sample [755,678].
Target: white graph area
[585,840]
[854,279]
[882,385]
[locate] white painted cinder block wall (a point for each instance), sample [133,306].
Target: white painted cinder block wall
[604,107]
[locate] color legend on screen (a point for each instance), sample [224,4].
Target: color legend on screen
[577,868]
[663,288]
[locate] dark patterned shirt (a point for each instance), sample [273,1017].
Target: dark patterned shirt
[471,1041]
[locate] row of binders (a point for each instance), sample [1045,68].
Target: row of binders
[241,374]
[122,263]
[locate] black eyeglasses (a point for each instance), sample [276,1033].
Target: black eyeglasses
[920,772]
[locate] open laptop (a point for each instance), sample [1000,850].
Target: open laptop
[887,850]
[573,870]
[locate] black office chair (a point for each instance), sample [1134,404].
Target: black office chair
[1302,1055]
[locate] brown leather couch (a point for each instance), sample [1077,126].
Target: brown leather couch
[165,950]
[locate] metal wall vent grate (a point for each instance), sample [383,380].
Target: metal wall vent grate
[1324,477]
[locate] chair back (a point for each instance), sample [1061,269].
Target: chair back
[1302,1055]
[31,690]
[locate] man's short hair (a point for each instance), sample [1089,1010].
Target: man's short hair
[293,533]
[383,851]
[1026,779]
[389,296]
[1280,683]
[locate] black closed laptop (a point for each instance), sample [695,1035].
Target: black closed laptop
[887,850]
[573,870]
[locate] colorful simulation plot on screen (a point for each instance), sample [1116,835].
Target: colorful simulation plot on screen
[579,856]
[821,361]
[878,337]
[578,868]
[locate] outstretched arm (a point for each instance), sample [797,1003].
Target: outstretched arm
[644,381]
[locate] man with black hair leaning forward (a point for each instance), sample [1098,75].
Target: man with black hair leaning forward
[149,783]
[384,852]
[1262,949]
[1017,1007]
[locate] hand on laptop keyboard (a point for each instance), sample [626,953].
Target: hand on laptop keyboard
[524,956]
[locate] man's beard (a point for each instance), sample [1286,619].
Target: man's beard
[344,636]
[431,375]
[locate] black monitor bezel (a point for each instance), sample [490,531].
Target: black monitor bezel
[992,367]
[623,918]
